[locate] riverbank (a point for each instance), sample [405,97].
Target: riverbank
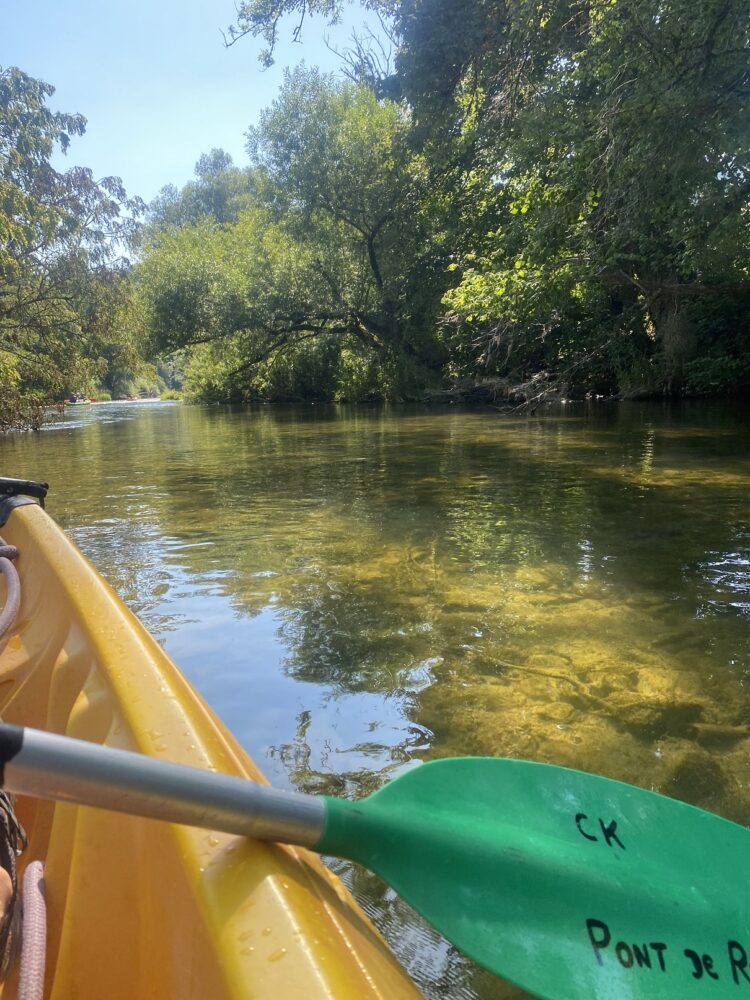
[106,402]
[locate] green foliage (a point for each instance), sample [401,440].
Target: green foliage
[720,333]
[218,194]
[63,288]
[337,246]
[543,193]
[607,150]
[342,171]
[325,368]
[172,370]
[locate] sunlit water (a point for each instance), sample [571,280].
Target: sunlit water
[355,591]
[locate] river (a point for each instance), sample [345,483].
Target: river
[357,590]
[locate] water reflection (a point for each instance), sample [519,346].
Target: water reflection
[355,591]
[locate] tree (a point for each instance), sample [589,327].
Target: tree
[261,18]
[218,193]
[341,243]
[339,161]
[597,158]
[609,153]
[62,282]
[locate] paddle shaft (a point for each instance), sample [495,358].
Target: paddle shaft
[48,766]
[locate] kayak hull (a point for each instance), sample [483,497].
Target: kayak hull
[142,908]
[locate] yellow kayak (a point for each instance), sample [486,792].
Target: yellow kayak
[137,908]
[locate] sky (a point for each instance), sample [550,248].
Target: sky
[153,78]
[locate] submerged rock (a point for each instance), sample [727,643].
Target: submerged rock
[696,777]
[655,720]
[711,735]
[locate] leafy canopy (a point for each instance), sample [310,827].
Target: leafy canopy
[63,284]
[577,173]
[333,245]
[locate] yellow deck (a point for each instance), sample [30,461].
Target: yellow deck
[142,909]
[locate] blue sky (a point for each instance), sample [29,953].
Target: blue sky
[153,78]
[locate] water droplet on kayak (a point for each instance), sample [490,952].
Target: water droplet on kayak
[213,841]
[266,931]
[245,935]
[247,951]
[276,955]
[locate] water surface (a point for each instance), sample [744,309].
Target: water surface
[355,591]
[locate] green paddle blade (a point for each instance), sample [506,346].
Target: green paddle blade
[569,885]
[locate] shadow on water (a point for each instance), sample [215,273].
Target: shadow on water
[358,590]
